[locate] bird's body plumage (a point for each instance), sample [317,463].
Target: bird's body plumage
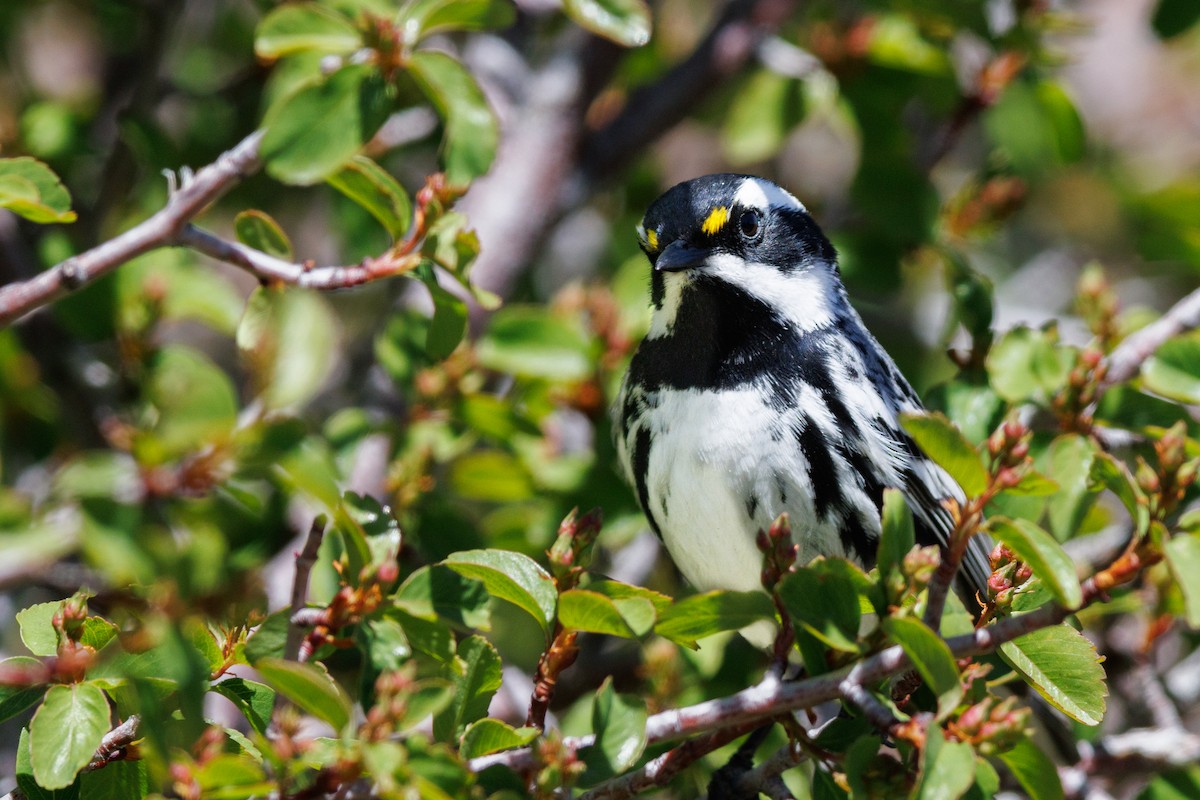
[759,391]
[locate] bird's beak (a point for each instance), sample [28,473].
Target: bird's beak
[678,256]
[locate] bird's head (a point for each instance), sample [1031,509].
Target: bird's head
[741,235]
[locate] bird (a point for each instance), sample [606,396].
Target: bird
[758,390]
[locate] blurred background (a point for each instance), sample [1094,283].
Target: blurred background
[970,161]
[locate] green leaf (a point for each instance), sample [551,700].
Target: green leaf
[304,27]
[427,698]
[30,189]
[37,628]
[825,602]
[947,768]
[946,445]
[474,687]
[1173,17]
[25,780]
[583,610]
[429,636]
[313,132]
[897,537]
[288,337]
[270,638]
[255,700]
[1174,369]
[436,16]
[375,190]
[309,686]
[510,576]
[1044,556]
[931,656]
[259,230]
[119,780]
[19,695]
[1183,558]
[626,22]
[703,615]
[896,41]
[65,733]
[1064,668]
[620,725]
[531,342]
[1034,770]
[449,324]
[1028,365]
[441,591]
[1069,461]
[491,736]
[471,129]
[490,475]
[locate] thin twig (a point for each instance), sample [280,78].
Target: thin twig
[305,560]
[762,777]
[275,270]
[1128,357]
[112,746]
[159,230]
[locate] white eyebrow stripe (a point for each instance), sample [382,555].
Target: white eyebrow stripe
[760,194]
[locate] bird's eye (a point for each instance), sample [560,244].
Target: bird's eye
[750,223]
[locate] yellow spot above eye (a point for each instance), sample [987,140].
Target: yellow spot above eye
[716,220]
[652,239]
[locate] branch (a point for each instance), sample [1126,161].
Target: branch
[1125,361]
[305,560]
[112,746]
[772,697]
[160,230]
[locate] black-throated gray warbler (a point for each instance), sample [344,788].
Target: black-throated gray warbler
[758,390]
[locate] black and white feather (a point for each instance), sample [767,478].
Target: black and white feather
[758,391]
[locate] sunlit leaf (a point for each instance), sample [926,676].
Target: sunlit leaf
[289,339]
[65,732]
[946,445]
[436,16]
[1034,770]
[30,189]
[258,230]
[947,768]
[626,22]
[372,187]
[471,130]
[1174,369]
[1183,557]
[1064,668]
[491,736]
[473,687]
[301,27]
[312,133]
[510,576]
[1043,554]
[931,656]
[703,615]
[255,700]
[309,686]
[582,610]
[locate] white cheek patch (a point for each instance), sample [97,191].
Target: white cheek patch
[764,195]
[807,298]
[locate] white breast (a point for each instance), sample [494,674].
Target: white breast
[721,466]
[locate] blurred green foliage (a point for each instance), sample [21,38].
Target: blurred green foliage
[169,432]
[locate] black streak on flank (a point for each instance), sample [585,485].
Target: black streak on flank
[822,473]
[640,458]
[751,505]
